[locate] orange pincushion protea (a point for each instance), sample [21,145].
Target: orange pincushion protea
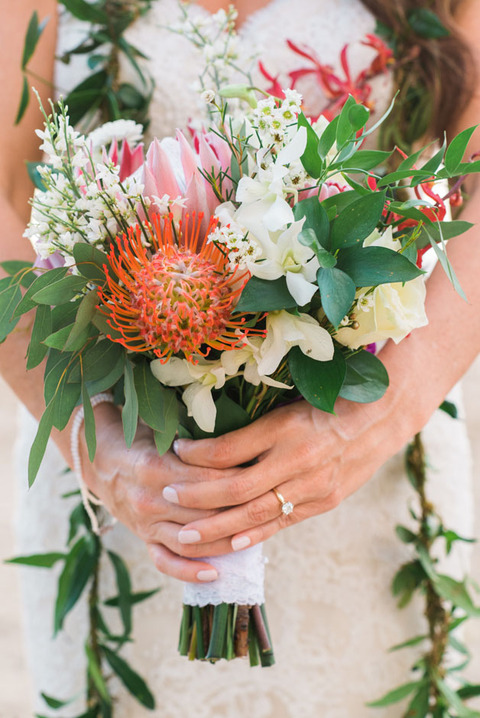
[175,296]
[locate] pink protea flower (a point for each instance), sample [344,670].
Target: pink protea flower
[176,297]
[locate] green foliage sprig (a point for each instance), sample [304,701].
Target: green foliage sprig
[101,96]
[80,576]
[448,605]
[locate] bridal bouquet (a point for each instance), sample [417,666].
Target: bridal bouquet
[205,283]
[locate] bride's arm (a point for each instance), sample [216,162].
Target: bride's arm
[317,460]
[129,482]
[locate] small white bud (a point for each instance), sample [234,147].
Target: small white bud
[208,96]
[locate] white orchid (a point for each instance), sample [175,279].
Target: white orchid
[249,355]
[263,197]
[199,380]
[284,331]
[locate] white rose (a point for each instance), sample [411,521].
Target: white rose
[392,312]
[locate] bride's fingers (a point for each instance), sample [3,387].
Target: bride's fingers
[233,449]
[181,568]
[167,534]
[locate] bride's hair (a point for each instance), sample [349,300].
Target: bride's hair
[435,75]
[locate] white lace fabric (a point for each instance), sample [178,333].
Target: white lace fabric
[329,604]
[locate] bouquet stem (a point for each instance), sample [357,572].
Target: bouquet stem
[226,631]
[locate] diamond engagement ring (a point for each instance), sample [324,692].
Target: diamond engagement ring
[287,506]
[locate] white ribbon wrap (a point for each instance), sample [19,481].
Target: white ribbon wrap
[240,580]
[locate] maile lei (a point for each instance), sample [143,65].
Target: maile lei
[448,602]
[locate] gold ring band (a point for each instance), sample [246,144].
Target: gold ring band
[287,506]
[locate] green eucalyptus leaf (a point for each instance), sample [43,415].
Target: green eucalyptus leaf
[153,399]
[42,328]
[319,382]
[58,389]
[398,694]
[163,439]
[131,680]
[122,577]
[39,560]
[357,221]
[99,360]
[262,295]
[21,271]
[316,219]
[95,672]
[24,100]
[10,298]
[79,566]
[89,424]
[130,407]
[134,598]
[83,327]
[61,291]
[371,266]
[427,24]
[90,262]
[310,159]
[39,445]
[337,292]
[366,379]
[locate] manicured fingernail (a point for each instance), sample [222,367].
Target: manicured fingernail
[210,575]
[240,543]
[189,536]
[169,494]
[175,447]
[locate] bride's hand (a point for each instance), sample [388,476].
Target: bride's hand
[314,460]
[130,481]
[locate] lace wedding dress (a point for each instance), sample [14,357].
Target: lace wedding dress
[328,579]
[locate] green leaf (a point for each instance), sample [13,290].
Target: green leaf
[54,702]
[58,389]
[407,579]
[89,424]
[153,398]
[35,176]
[24,100]
[20,270]
[408,644]
[90,262]
[445,230]
[40,560]
[419,705]
[454,700]
[95,672]
[230,415]
[455,592]
[42,328]
[319,382]
[366,379]
[99,360]
[39,445]
[80,99]
[365,160]
[469,691]
[130,407]
[449,408]
[316,219]
[328,138]
[427,24]
[164,439]
[34,32]
[134,598]
[308,238]
[447,267]
[79,566]
[358,116]
[122,577]
[434,162]
[405,534]
[130,97]
[337,292]
[60,292]
[371,266]
[58,339]
[86,11]
[310,159]
[357,221]
[398,694]
[345,131]
[399,175]
[78,520]
[82,326]
[262,295]
[131,680]
[10,298]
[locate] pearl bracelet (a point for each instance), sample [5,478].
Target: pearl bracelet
[89,500]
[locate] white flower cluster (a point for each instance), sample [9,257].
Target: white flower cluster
[273,120]
[84,200]
[240,249]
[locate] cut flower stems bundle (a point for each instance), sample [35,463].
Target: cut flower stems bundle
[205,283]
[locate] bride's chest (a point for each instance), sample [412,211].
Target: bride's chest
[174,62]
